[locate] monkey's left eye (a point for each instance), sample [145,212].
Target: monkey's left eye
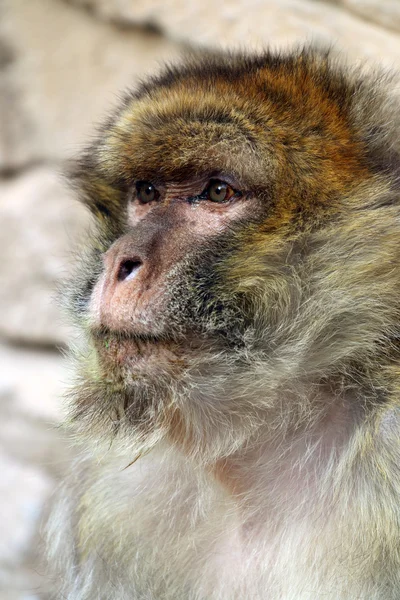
[219,191]
[146,192]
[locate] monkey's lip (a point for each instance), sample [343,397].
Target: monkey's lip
[104,334]
[107,337]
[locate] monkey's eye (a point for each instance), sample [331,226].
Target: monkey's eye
[219,191]
[146,192]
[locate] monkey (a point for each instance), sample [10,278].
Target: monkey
[236,393]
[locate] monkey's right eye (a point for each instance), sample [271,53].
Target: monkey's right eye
[146,192]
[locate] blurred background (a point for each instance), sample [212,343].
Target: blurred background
[62,65]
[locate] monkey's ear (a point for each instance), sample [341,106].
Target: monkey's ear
[103,199]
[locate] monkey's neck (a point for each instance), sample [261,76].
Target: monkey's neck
[283,474]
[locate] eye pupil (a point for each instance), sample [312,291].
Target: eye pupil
[146,192]
[218,191]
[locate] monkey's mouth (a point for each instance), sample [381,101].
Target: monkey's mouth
[128,351]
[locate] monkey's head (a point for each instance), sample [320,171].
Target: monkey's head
[245,253]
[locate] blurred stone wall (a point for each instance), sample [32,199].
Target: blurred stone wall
[62,66]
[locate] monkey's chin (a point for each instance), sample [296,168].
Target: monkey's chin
[133,354]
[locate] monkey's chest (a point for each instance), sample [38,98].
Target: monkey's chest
[172,534]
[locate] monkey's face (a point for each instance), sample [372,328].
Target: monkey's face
[224,194]
[155,297]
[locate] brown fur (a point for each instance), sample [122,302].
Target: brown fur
[258,456]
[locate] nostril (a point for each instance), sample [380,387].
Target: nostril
[128,269]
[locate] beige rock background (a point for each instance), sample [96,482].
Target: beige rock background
[62,66]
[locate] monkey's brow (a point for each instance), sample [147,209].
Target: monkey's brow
[189,176]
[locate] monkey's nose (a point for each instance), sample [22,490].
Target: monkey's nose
[128,269]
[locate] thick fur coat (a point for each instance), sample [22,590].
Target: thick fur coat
[264,463]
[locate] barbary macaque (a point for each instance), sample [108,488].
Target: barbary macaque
[237,388]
